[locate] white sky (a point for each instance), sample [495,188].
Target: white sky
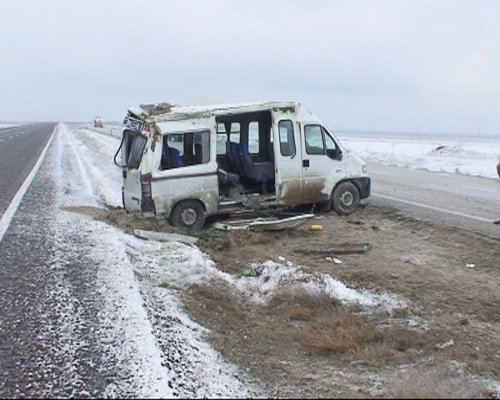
[401,65]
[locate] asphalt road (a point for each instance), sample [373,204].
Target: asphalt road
[20,148]
[49,304]
[468,202]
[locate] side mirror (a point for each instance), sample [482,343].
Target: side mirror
[335,154]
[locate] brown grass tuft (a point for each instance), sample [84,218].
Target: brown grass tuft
[301,304]
[341,332]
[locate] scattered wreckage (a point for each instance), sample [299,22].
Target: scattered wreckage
[186,163]
[264,224]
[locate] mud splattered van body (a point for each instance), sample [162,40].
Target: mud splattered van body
[185,163]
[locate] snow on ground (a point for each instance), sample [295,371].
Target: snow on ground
[188,265]
[161,349]
[161,343]
[453,154]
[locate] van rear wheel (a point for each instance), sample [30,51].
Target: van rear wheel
[188,214]
[345,198]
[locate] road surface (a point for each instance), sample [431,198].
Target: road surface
[20,148]
[464,201]
[48,305]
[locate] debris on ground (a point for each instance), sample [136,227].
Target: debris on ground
[264,224]
[334,260]
[164,236]
[341,248]
[446,344]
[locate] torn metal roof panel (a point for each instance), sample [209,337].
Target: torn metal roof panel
[167,111]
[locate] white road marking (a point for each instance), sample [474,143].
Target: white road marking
[457,213]
[16,200]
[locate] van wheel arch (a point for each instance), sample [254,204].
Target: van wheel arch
[345,198]
[189,214]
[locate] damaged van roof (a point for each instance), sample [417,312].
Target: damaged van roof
[166,111]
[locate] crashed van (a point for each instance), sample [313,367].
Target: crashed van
[186,163]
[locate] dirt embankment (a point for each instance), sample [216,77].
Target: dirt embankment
[444,342]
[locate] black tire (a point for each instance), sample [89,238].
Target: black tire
[188,214]
[345,198]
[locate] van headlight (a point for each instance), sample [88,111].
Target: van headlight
[364,168]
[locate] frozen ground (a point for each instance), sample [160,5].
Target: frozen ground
[164,350]
[160,350]
[168,335]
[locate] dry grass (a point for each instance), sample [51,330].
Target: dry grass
[286,301]
[224,308]
[326,326]
[338,333]
[441,382]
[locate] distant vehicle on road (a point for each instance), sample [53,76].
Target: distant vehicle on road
[98,122]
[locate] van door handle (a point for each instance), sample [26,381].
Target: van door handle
[305,163]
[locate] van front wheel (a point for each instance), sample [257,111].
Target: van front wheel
[345,198]
[188,214]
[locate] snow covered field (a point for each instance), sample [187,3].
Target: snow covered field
[162,350]
[451,154]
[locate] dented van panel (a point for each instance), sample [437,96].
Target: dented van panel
[200,161]
[198,188]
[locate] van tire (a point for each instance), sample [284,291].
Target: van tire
[188,214]
[345,198]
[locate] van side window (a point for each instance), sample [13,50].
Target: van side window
[201,147]
[332,150]
[313,137]
[253,137]
[221,139]
[184,149]
[287,139]
[222,135]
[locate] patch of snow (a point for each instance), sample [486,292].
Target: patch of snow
[463,155]
[188,265]
[159,351]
